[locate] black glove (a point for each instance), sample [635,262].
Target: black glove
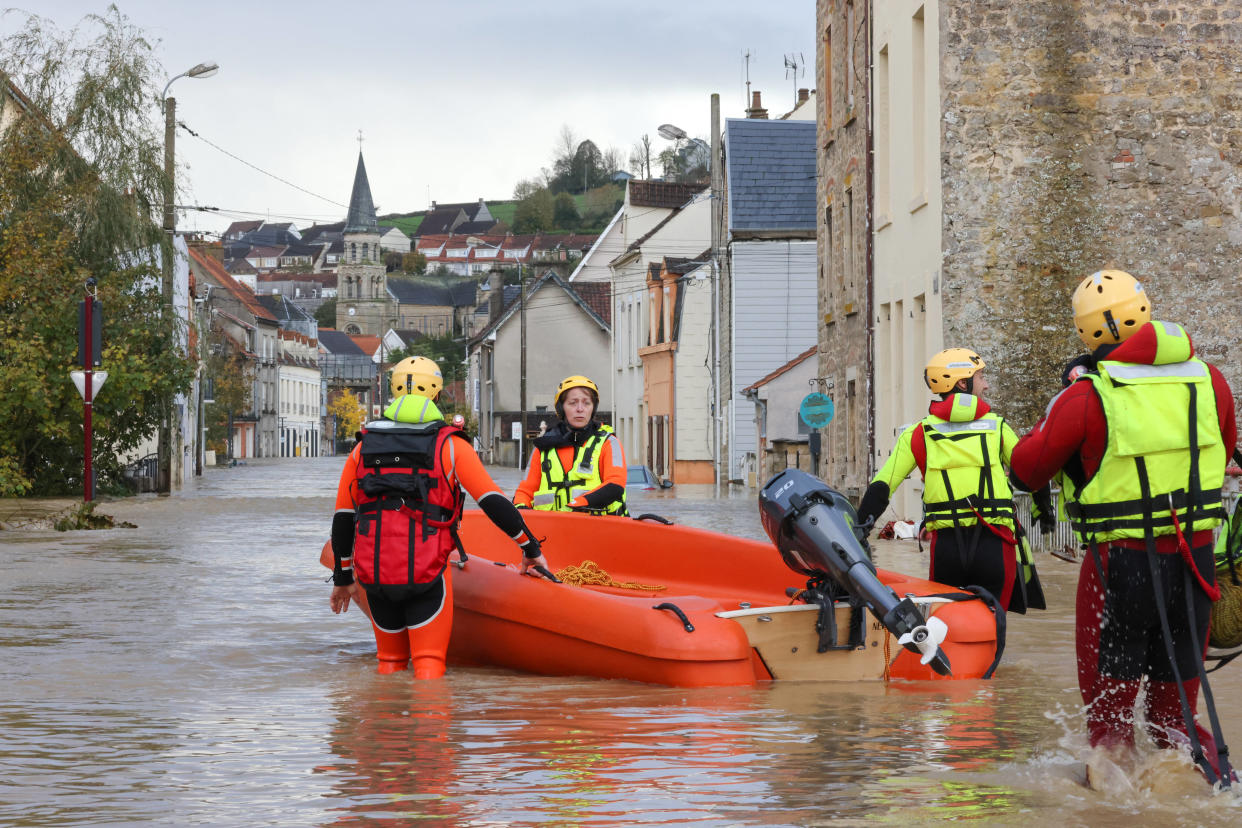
[1076,367]
[1042,511]
[531,549]
[521,506]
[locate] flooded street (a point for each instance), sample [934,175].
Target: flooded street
[189,671]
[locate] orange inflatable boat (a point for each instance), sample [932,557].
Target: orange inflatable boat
[685,607]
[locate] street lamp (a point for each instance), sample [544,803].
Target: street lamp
[474,241]
[202,70]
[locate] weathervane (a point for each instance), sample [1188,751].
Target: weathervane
[360,140]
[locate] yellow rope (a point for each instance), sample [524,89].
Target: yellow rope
[589,573]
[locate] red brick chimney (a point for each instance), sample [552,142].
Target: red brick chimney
[756,108]
[804,95]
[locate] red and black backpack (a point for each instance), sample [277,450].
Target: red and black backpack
[405,523]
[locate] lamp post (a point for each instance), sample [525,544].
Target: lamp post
[202,70]
[473,241]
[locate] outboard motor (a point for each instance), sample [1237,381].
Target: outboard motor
[815,528]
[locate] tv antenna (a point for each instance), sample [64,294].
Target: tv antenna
[746,58]
[795,65]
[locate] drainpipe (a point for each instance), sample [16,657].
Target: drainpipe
[870,256]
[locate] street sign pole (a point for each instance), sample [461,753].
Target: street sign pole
[88,484]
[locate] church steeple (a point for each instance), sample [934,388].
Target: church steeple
[361,216]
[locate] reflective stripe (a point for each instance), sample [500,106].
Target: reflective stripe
[544,499]
[1190,370]
[973,425]
[618,457]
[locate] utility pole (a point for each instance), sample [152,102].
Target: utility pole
[522,318]
[164,477]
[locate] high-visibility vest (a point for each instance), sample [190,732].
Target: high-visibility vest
[964,478]
[558,488]
[1165,453]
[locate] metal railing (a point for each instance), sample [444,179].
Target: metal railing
[143,473]
[1064,535]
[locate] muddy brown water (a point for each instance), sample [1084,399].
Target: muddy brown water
[188,671]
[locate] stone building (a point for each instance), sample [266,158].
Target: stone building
[842,230]
[1018,147]
[364,305]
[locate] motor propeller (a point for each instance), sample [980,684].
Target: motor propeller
[816,530]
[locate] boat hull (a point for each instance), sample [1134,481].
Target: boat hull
[736,625]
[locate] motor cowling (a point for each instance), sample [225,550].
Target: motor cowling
[816,530]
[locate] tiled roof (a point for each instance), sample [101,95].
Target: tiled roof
[440,221]
[598,297]
[662,193]
[368,344]
[336,342]
[243,294]
[475,227]
[771,174]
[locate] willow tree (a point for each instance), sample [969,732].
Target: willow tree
[81,177]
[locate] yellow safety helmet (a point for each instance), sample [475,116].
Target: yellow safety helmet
[946,368]
[416,375]
[576,381]
[1109,305]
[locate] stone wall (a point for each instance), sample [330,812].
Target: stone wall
[844,344]
[1085,135]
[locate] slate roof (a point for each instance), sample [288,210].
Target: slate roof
[239,228]
[440,221]
[416,291]
[474,228]
[770,166]
[318,233]
[664,194]
[361,215]
[336,342]
[283,309]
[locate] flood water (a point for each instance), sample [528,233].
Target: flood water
[189,671]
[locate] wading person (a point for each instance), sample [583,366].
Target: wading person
[397,508]
[577,465]
[1141,438]
[961,449]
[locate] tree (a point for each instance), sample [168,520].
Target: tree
[392,261]
[348,414]
[325,314]
[565,212]
[80,191]
[231,378]
[414,262]
[534,213]
[640,157]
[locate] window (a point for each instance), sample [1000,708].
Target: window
[851,34]
[882,137]
[918,105]
[848,244]
[827,93]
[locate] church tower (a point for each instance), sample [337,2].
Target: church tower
[363,305]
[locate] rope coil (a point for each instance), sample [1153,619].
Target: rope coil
[589,573]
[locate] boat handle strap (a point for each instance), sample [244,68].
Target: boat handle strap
[685,622]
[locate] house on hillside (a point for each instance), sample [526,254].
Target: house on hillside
[301,398]
[393,240]
[567,330]
[462,219]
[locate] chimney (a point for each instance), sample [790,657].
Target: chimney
[804,95]
[756,108]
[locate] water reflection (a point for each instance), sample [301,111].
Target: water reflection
[188,672]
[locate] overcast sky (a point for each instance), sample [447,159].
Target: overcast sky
[455,100]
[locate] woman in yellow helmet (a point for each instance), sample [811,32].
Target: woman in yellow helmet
[577,465]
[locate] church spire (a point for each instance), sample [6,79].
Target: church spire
[361,216]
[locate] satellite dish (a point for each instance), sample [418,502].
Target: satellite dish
[672,133]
